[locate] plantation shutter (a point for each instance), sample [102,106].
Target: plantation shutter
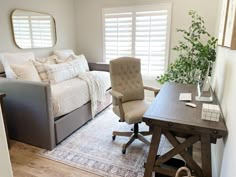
[118,35]
[139,31]
[22,31]
[150,41]
[41,31]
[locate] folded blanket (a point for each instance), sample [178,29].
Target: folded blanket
[97,88]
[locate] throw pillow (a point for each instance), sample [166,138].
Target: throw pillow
[8,59]
[59,61]
[62,54]
[39,64]
[82,60]
[40,67]
[26,72]
[48,60]
[64,71]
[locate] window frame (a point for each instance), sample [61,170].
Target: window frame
[133,9]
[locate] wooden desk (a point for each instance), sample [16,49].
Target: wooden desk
[169,116]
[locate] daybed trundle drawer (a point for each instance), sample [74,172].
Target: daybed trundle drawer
[72,121]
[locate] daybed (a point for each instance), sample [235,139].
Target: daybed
[43,115]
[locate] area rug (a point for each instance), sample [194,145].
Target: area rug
[91,148]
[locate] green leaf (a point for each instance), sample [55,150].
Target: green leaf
[194,55]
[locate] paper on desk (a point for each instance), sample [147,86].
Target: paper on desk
[185,97]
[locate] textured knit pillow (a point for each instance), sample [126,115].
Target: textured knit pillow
[64,71]
[82,60]
[59,61]
[48,60]
[26,72]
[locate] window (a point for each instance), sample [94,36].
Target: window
[140,31]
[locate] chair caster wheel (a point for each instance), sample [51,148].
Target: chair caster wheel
[113,137]
[123,151]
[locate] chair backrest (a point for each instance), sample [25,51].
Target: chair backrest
[126,78]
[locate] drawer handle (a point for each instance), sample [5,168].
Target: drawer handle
[170,124]
[215,132]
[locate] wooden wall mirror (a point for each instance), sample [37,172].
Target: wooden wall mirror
[33,30]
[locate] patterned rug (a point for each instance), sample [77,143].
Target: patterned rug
[91,148]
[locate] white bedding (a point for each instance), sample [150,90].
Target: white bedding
[69,95]
[74,93]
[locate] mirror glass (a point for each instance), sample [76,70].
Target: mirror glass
[33,29]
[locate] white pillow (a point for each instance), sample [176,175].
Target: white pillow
[64,71]
[26,72]
[62,54]
[8,59]
[83,61]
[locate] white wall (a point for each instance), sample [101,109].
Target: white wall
[89,21]
[223,153]
[5,165]
[224,83]
[62,10]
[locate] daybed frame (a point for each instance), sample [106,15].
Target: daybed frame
[29,114]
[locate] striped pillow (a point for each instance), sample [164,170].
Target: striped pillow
[40,63]
[64,71]
[42,71]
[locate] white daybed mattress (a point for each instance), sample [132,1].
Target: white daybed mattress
[74,93]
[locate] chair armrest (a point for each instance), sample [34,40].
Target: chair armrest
[99,66]
[118,97]
[29,114]
[155,90]
[116,94]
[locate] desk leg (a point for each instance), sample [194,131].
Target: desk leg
[206,155]
[156,137]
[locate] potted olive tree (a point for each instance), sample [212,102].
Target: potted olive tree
[196,51]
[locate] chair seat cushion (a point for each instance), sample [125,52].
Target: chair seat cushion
[134,111]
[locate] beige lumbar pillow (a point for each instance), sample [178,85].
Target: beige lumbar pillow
[25,72]
[64,71]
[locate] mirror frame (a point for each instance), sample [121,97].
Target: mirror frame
[13,32]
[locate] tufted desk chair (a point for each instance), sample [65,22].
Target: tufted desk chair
[128,96]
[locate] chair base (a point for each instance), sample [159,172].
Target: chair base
[135,134]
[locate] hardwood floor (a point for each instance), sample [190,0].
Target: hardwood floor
[25,163]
